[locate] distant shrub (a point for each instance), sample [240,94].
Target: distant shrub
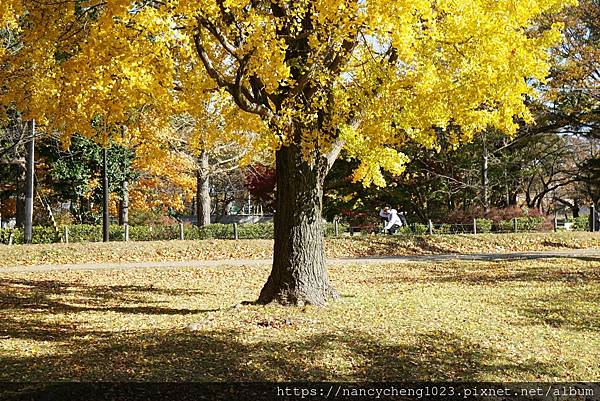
[484,225]
[6,232]
[581,223]
[442,229]
[150,218]
[44,235]
[329,229]
[85,233]
[419,229]
[523,224]
[499,219]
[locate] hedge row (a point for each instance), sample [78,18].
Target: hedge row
[523,224]
[89,233]
[580,223]
[483,226]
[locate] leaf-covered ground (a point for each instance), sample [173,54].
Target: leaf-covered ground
[527,320]
[372,245]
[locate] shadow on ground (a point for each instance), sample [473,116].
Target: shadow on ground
[252,352]
[23,300]
[564,310]
[210,354]
[215,356]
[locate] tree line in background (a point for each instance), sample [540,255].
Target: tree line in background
[551,165]
[142,190]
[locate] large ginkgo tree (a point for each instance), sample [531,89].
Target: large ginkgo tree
[312,78]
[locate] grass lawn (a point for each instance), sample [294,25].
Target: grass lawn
[368,245]
[530,320]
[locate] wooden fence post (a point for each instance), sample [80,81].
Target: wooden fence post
[474,226]
[430,227]
[235,231]
[181,232]
[66,235]
[516,226]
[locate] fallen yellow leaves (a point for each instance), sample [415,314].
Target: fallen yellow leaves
[360,246]
[517,320]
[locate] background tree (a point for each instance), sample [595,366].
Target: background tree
[219,144]
[260,181]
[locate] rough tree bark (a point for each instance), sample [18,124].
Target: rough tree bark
[203,190]
[298,275]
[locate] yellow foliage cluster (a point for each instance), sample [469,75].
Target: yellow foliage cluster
[376,73]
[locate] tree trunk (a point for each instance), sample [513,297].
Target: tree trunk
[105,196]
[29,188]
[203,190]
[21,178]
[124,203]
[298,276]
[485,181]
[506,189]
[575,208]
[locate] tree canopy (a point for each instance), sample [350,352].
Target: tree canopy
[374,73]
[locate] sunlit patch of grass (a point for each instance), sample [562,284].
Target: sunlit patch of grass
[511,320]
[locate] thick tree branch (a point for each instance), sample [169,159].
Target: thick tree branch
[333,153]
[208,64]
[220,36]
[240,94]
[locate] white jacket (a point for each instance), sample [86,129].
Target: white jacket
[392,218]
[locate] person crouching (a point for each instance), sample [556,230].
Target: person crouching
[393,220]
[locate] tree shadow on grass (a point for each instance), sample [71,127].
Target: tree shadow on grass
[233,356]
[563,310]
[22,302]
[19,293]
[96,291]
[555,244]
[392,245]
[430,247]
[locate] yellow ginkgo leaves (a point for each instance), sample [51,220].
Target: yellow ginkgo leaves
[395,70]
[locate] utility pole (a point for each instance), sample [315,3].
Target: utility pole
[485,181]
[105,236]
[124,203]
[28,231]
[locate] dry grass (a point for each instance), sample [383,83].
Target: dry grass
[529,320]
